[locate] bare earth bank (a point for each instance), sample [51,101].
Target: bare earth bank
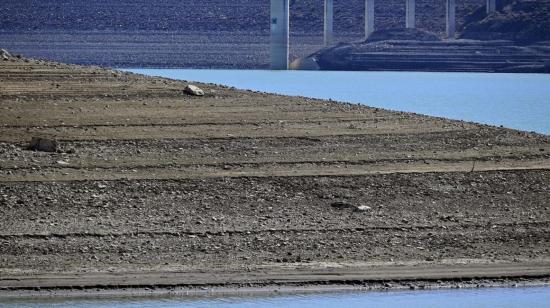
[153,187]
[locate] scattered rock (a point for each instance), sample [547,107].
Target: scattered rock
[363,208]
[193,90]
[342,205]
[5,55]
[43,145]
[62,162]
[347,205]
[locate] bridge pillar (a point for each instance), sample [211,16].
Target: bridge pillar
[329,22]
[451,18]
[279,34]
[491,6]
[369,17]
[410,19]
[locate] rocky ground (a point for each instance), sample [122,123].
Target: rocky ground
[523,22]
[239,184]
[213,15]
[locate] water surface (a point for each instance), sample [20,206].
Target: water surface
[497,297]
[520,101]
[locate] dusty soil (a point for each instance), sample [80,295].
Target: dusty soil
[154,186]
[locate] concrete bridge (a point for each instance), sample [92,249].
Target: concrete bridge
[280,26]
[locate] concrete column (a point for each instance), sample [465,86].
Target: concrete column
[491,6]
[279,34]
[410,19]
[369,17]
[329,22]
[451,18]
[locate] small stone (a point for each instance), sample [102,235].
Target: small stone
[342,205]
[43,145]
[62,162]
[363,208]
[193,90]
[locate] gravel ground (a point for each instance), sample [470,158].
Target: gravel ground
[148,178]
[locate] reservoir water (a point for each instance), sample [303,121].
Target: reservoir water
[520,101]
[534,297]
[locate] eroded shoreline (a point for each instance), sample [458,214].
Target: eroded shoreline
[247,185]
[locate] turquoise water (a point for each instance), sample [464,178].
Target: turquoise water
[520,101]
[500,298]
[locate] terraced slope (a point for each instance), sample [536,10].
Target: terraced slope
[455,55]
[155,187]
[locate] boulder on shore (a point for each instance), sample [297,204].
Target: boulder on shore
[43,145]
[193,90]
[4,54]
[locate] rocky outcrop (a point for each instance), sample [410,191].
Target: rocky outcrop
[516,38]
[523,22]
[452,55]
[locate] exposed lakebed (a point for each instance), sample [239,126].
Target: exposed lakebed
[519,101]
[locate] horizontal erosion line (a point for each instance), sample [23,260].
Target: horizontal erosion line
[268,122]
[272,231]
[272,174]
[94,93]
[357,133]
[230,138]
[296,162]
